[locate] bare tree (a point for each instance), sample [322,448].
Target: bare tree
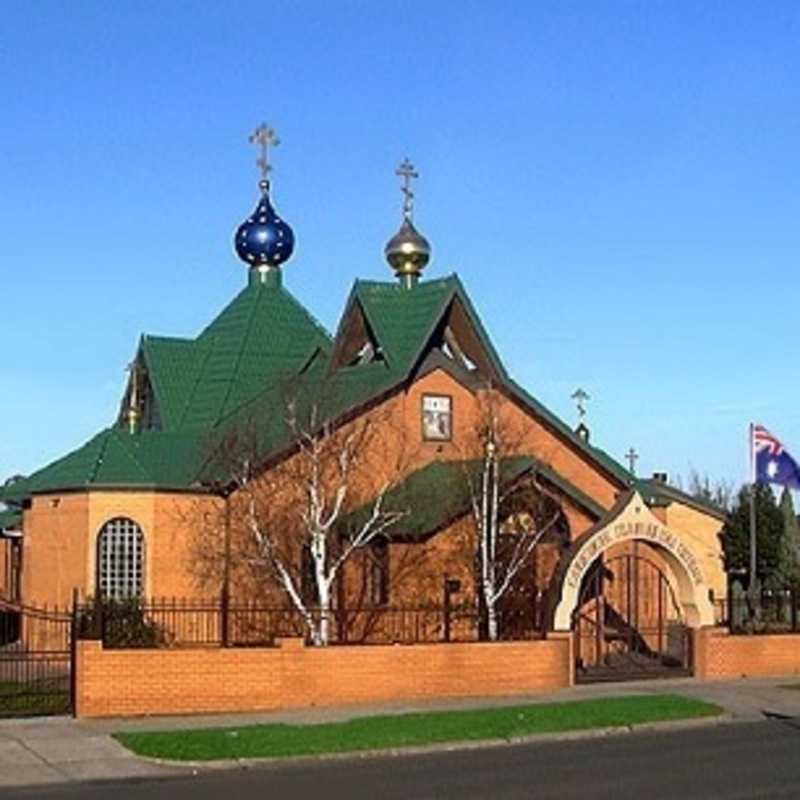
[720,492]
[526,513]
[286,518]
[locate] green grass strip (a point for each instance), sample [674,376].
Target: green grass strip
[408,730]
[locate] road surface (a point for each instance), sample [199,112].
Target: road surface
[731,761]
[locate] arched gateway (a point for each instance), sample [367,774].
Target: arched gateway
[631,589]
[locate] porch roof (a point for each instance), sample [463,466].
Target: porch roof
[439,493]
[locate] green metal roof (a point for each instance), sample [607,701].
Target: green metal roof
[404,319]
[594,453]
[440,492]
[113,458]
[657,493]
[237,370]
[261,337]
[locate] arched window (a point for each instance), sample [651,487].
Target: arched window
[120,559]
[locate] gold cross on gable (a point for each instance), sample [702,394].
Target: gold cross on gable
[264,137]
[407,172]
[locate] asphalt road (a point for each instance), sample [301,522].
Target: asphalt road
[741,760]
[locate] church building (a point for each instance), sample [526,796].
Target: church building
[135,512]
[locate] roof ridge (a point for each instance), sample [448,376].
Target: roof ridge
[208,346]
[98,460]
[389,284]
[158,337]
[653,486]
[375,330]
[595,453]
[242,345]
[122,441]
[317,324]
[152,373]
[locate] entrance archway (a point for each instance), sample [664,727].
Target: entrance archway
[628,622]
[687,602]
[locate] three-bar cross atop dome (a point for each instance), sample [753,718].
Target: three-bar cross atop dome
[264,241]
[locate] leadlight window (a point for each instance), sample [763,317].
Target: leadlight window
[120,559]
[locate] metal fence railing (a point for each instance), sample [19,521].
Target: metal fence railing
[772,611]
[192,622]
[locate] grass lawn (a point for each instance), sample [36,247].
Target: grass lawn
[40,698]
[373,733]
[794,686]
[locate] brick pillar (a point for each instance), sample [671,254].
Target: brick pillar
[568,637]
[85,651]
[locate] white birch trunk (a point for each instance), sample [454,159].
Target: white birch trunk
[319,552]
[488,536]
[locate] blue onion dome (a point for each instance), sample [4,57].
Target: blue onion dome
[264,239]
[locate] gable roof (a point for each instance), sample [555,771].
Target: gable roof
[239,365]
[262,334]
[404,319]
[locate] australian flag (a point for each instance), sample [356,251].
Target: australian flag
[772,463]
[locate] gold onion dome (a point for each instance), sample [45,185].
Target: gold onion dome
[408,251]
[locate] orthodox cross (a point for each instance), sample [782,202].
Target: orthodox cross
[580,397]
[264,137]
[407,172]
[632,457]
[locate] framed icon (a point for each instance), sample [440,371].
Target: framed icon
[437,417]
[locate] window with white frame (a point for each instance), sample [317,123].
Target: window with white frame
[120,559]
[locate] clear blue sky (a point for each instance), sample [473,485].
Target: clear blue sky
[617,183]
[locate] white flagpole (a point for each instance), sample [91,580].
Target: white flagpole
[753,540]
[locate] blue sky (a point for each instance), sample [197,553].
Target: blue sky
[617,183]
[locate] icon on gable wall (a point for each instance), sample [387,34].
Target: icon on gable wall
[437,418]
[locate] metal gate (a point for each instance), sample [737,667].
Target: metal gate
[628,623]
[36,661]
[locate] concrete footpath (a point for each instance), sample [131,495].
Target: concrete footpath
[59,750]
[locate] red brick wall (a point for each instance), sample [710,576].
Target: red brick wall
[138,682]
[719,655]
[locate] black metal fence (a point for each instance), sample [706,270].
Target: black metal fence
[35,661]
[212,622]
[772,611]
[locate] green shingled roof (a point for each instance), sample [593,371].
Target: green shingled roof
[237,369]
[262,335]
[595,453]
[114,458]
[404,319]
[439,493]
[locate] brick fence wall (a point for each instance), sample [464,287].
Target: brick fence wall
[175,681]
[719,655]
